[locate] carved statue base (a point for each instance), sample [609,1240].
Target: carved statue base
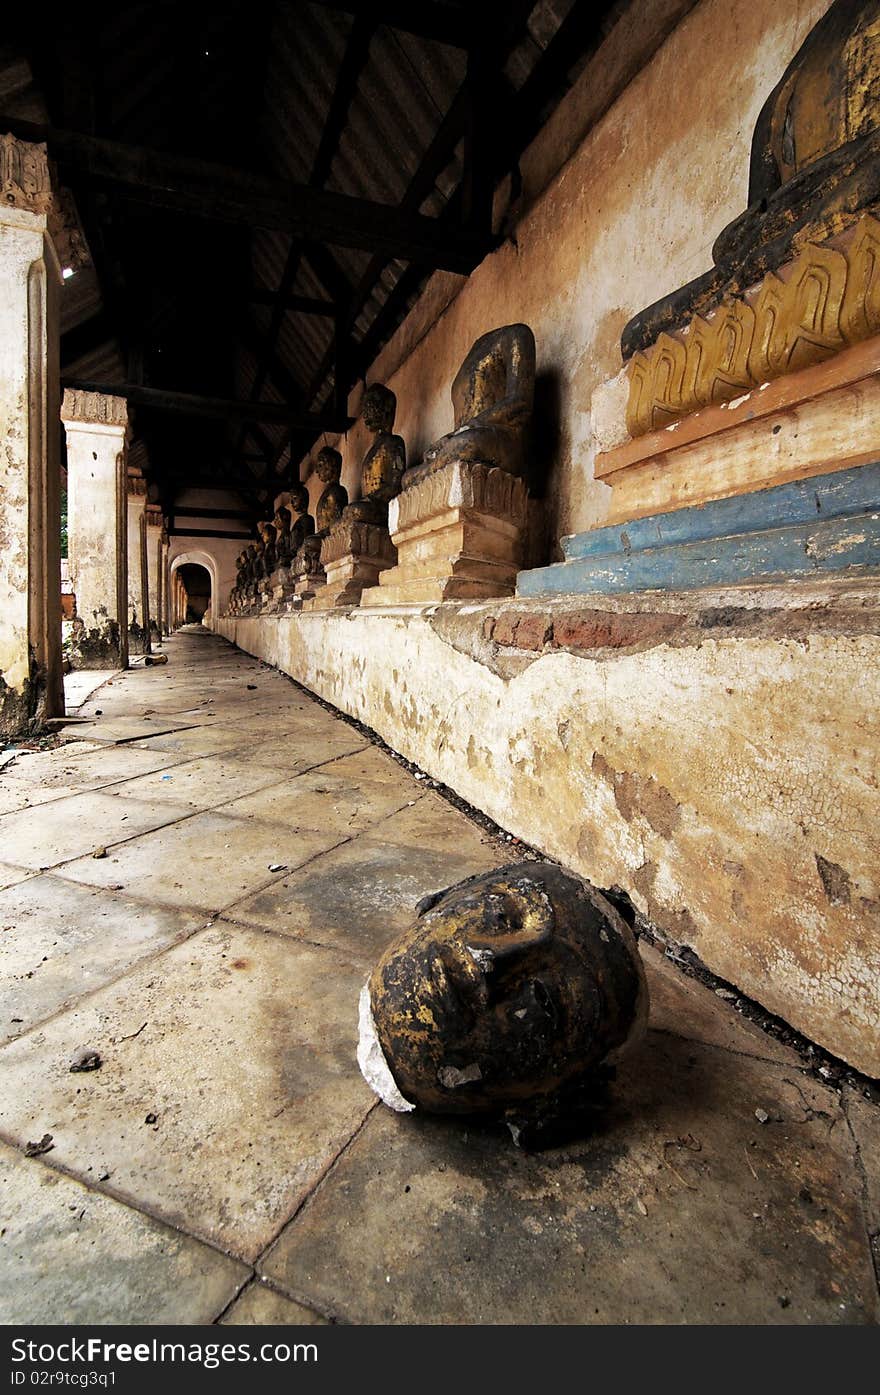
[459,535]
[280,589]
[307,584]
[825,417]
[353,555]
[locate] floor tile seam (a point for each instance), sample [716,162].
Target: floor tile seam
[298,827]
[307,769]
[730,1050]
[263,789]
[97,789]
[865,1200]
[147,903]
[130,1203]
[257,1282]
[296,939]
[146,832]
[83,999]
[142,736]
[120,843]
[247,1283]
[277,879]
[316,1186]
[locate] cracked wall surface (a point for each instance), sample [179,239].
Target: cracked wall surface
[714,756]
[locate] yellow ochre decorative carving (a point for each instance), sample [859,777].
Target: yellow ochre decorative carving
[823,301]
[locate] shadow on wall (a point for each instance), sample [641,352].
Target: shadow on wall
[542,453]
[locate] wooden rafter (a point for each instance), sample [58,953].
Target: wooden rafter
[220,194]
[196,405]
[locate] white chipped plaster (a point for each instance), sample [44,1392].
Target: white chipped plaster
[768,747]
[94,542]
[22,239]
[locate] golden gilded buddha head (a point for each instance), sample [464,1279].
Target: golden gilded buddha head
[507,992]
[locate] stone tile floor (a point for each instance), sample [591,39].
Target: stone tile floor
[227,1163]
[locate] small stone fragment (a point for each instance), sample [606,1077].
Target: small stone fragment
[99,852]
[34,1150]
[762,1116]
[151,1119]
[86,1060]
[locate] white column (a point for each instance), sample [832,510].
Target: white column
[31,687]
[97,526]
[135,505]
[154,563]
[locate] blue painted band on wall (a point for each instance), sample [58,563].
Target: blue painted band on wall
[833,495]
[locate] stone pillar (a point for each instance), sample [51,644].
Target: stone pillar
[145,582]
[162,585]
[154,562]
[97,526]
[136,499]
[31,686]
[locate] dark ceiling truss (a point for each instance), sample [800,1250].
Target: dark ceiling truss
[156,120]
[439,23]
[221,194]
[355,56]
[192,404]
[513,119]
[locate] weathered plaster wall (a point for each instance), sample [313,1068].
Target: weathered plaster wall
[714,755]
[134,508]
[30,534]
[97,527]
[630,217]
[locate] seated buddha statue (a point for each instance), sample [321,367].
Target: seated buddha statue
[812,173]
[492,399]
[283,542]
[385,461]
[268,535]
[302,523]
[328,468]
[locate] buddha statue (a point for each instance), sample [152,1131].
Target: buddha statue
[302,524]
[492,399]
[511,994]
[328,468]
[283,542]
[268,536]
[252,560]
[813,172]
[384,463]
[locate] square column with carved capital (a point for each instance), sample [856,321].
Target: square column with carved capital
[97,526]
[31,687]
[459,534]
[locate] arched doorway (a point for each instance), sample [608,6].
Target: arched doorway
[193,589]
[196,581]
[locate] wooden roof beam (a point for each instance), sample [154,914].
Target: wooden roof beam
[195,405]
[220,194]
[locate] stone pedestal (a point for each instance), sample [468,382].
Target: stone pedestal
[30,512]
[97,526]
[459,534]
[353,555]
